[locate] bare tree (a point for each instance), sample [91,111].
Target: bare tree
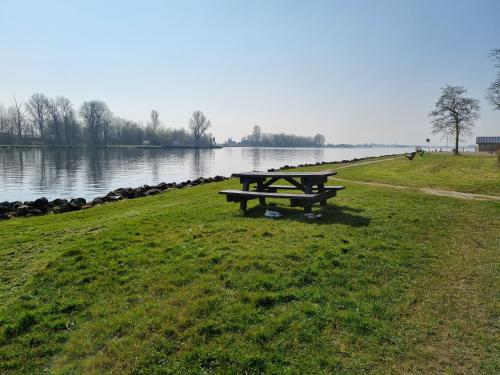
[493,94]
[256,135]
[67,117]
[97,119]
[55,122]
[4,124]
[37,108]
[454,114]
[16,115]
[155,120]
[319,140]
[198,125]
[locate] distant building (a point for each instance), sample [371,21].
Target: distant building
[488,143]
[145,143]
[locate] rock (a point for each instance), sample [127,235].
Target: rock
[153,191]
[128,193]
[139,192]
[96,201]
[73,205]
[23,210]
[41,204]
[34,212]
[65,207]
[58,202]
[112,198]
[15,205]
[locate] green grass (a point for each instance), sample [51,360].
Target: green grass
[470,173]
[389,281]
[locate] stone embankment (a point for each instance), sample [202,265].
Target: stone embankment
[43,206]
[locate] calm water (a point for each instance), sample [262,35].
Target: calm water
[26,174]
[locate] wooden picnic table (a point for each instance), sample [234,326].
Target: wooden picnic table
[311,184]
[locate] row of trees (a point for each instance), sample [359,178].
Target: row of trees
[259,139]
[454,114]
[43,120]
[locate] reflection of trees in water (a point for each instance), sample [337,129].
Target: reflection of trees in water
[201,159]
[152,158]
[254,155]
[46,169]
[256,159]
[96,165]
[12,165]
[263,158]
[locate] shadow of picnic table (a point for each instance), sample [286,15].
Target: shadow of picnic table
[331,214]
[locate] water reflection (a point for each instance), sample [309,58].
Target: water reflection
[27,173]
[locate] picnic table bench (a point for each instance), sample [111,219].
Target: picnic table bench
[311,184]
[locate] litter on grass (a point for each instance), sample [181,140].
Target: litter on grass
[272,214]
[312,216]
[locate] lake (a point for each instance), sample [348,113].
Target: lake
[29,173]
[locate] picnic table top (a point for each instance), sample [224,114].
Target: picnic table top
[285,174]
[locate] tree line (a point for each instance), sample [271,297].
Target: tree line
[260,139]
[55,121]
[454,113]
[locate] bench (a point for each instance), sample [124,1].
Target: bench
[411,155]
[302,200]
[274,188]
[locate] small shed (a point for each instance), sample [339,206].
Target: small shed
[488,143]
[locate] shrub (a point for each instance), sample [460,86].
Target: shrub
[498,155]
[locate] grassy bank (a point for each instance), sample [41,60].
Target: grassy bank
[388,281]
[470,173]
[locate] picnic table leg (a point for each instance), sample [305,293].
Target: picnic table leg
[243,203]
[321,188]
[262,200]
[308,189]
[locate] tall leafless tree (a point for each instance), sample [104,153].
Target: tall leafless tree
[155,120]
[4,124]
[454,114]
[198,124]
[97,119]
[37,108]
[67,118]
[256,135]
[493,94]
[319,139]
[55,123]
[17,116]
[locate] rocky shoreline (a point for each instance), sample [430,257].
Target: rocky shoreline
[42,206]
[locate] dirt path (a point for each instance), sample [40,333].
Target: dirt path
[368,162]
[428,190]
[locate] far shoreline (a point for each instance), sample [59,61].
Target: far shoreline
[111,146]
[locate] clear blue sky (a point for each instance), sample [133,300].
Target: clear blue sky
[355,71]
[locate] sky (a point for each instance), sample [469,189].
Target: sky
[355,71]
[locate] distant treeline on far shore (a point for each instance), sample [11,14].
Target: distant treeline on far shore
[260,139]
[55,122]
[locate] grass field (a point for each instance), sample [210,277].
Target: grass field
[477,173]
[389,281]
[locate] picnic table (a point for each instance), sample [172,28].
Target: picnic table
[310,186]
